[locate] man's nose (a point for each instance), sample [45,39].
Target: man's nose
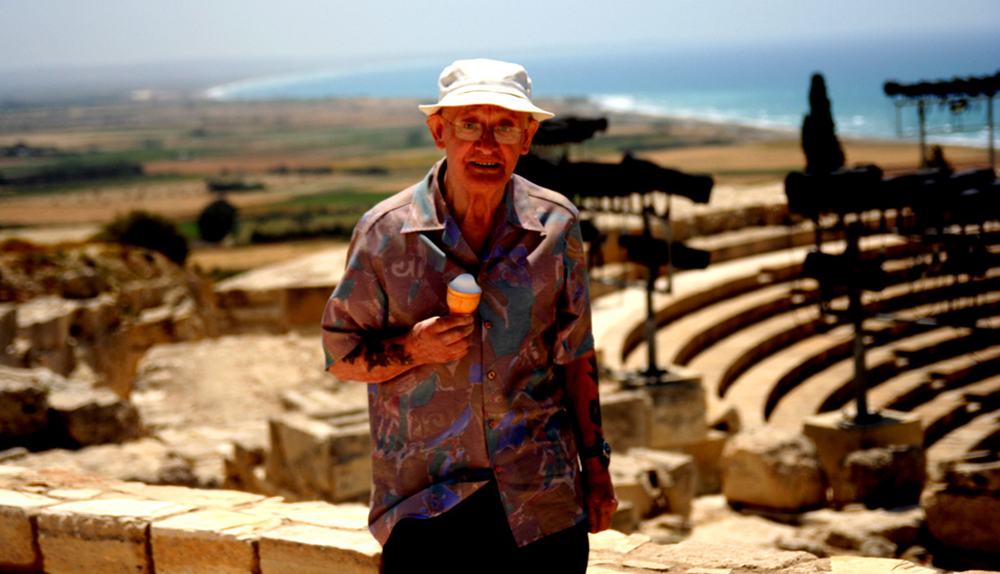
[487,139]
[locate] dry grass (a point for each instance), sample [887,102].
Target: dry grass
[199,140]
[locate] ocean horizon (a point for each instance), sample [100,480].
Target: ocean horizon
[765,86]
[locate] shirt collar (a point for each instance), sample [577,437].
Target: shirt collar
[428,210]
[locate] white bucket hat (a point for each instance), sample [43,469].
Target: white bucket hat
[486,82]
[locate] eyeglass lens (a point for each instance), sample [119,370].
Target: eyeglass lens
[472,131]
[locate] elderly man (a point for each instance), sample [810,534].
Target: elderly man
[477,420]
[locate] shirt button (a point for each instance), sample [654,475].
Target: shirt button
[491,375]
[488,325]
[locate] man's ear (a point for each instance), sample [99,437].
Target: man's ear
[529,134]
[436,124]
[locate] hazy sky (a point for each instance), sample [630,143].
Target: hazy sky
[59,33]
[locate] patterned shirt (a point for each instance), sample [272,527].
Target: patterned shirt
[441,431]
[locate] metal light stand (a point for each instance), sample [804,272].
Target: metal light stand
[856,312]
[653,375]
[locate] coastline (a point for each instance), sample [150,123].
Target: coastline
[379,144]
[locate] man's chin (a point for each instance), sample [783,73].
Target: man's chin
[487,177]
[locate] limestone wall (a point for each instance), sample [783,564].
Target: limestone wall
[56,522]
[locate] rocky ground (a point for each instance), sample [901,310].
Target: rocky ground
[196,398]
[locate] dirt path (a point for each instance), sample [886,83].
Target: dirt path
[233,380]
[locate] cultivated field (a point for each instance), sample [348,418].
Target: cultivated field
[300,173]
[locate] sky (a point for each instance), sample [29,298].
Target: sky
[60,34]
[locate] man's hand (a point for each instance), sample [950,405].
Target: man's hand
[600,495]
[439,339]
[434,340]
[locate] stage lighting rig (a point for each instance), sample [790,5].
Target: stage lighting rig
[628,187]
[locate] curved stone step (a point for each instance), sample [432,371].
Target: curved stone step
[683,339]
[907,394]
[953,409]
[806,398]
[962,440]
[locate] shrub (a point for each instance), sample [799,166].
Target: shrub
[217,221]
[150,231]
[232,185]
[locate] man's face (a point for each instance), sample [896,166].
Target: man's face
[483,166]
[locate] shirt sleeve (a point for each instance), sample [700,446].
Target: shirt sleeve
[574,336]
[358,304]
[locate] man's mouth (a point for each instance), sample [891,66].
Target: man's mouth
[485,164]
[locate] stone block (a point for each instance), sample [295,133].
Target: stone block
[655,482]
[92,416]
[305,549]
[887,477]
[117,360]
[625,419]
[836,437]
[24,406]
[241,467]
[678,414]
[772,469]
[316,459]
[17,530]
[100,536]
[299,459]
[8,330]
[632,486]
[61,360]
[95,318]
[45,322]
[963,519]
[83,283]
[707,457]
[674,478]
[208,542]
[901,528]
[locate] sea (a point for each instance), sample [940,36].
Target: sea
[764,85]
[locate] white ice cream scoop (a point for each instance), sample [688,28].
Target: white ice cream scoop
[463,294]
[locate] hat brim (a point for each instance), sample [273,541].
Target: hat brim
[488,98]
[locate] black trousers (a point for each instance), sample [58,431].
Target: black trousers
[474,537]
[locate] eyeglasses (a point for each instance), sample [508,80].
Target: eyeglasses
[471,131]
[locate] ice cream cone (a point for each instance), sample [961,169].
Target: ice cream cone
[463,295]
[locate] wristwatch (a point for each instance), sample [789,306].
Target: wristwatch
[601,451]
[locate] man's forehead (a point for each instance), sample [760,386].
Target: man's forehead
[482,111]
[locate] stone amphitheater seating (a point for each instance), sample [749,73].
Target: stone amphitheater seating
[751,329]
